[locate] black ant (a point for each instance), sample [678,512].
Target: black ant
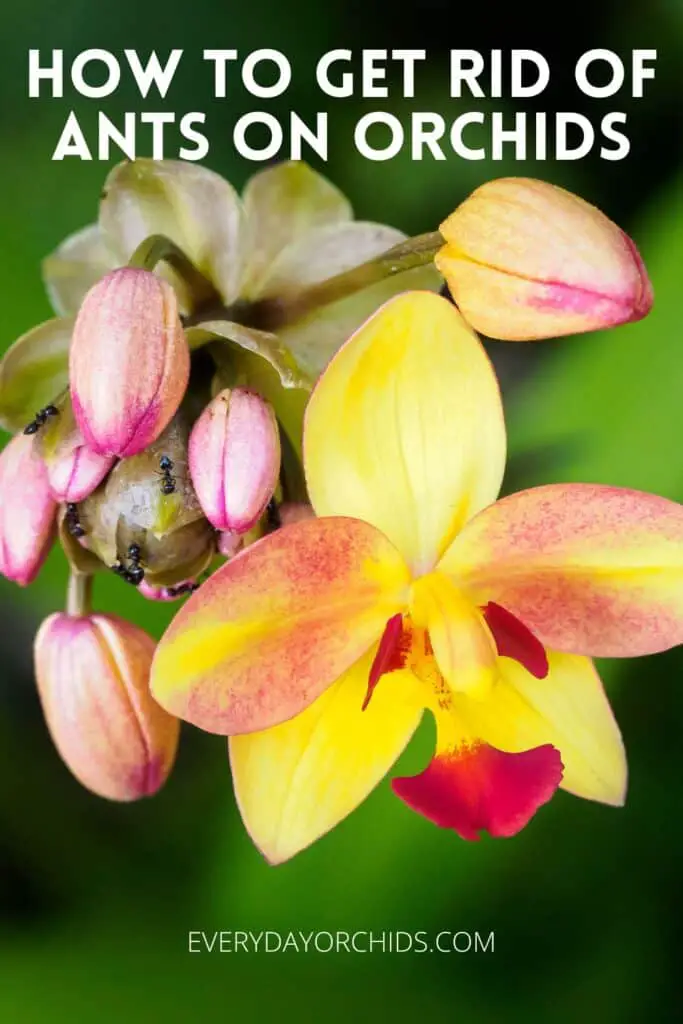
[273,519]
[167,478]
[73,523]
[182,588]
[41,419]
[134,573]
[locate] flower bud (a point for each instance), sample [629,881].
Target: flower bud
[92,674]
[229,543]
[27,511]
[526,260]
[129,362]
[234,459]
[135,506]
[74,471]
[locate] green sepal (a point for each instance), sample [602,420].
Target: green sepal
[34,371]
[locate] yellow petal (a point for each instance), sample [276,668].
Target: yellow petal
[405,427]
[295,782]
[568,709]
[277,625]
[315,338]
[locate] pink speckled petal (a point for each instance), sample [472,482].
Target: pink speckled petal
[278,624]
[590,570]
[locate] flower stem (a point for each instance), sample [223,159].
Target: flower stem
[79,594]
[415,252]
[156,248]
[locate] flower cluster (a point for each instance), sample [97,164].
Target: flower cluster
[173,425]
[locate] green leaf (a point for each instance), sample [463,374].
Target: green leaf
[263,344]
[34,371]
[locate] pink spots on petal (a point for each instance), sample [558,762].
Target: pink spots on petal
[515,640]
[577,615]
[476,788]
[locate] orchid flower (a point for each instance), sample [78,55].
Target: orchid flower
[319,647]
[159,416]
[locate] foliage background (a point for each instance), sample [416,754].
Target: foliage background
[95,899]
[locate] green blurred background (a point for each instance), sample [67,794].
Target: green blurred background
[96,900]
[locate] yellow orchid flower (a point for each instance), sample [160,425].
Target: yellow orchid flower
[319,647]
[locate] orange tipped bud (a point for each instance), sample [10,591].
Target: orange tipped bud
[526,260]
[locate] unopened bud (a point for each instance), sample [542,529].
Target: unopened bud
[74,471]
[229,543]
[27,511]
[234,459]
[93,681]
[153,508]
[526,260]
[129,362]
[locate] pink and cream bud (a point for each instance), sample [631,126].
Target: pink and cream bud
[526,260]
[129,362]
[28,511]
[234,459]
[230,543]
[74,471]
[93,675]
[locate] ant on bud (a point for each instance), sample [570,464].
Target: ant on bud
[167,478]
[136,573]
[41,419]
[273,520]
[133,573]
[73,523]
[182,588]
